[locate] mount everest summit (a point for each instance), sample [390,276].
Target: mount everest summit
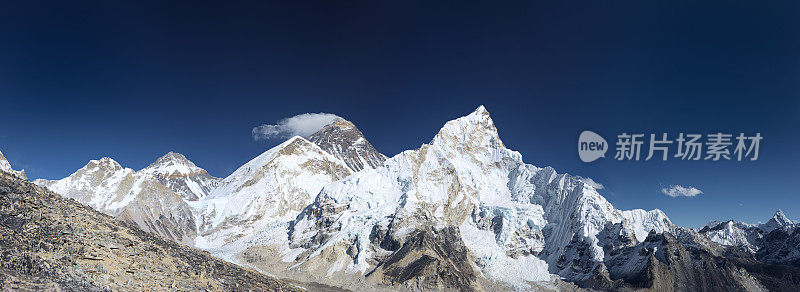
[342,139]
[461,212]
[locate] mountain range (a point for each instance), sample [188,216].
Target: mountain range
[775,242]
[462,212]
[155,198]
[52,243]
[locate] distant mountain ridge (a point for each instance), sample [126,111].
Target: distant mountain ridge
[776,242]
[154,198]
[462,212]
[182,176]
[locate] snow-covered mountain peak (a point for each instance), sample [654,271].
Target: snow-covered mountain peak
[343,139]
[473,138]
[479,118]
[475,129]
[293,146]
[480,114]
[102,184]
[775,241]
[173,157]
[105,164]
[6,166]
[339,122]
[732,233]
[182,176]
[153,198]
[173,164]
[292,157]
[779,220]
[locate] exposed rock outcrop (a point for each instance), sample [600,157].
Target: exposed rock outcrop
[48,242]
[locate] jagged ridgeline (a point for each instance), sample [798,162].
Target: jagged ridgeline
[156,198]
[52,243]
[462,212]
[6,166]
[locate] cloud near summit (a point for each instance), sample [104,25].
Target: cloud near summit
[299,125]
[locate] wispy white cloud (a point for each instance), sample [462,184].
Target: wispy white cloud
[681,191]
[590,182]
[299,125]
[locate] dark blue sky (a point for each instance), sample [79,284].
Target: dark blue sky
[134,80]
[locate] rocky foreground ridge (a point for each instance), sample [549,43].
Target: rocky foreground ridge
[48,242]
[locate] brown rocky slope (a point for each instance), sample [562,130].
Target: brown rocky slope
[48,242]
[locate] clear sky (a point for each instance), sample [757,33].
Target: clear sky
[133,80]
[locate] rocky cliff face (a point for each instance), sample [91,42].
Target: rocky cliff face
[780,246]
[429,259]
[344,141]
[51,243]
[681,260]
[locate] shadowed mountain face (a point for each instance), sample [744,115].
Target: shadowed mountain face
[48,242]
[430,258]
[344,141]
[683,261]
